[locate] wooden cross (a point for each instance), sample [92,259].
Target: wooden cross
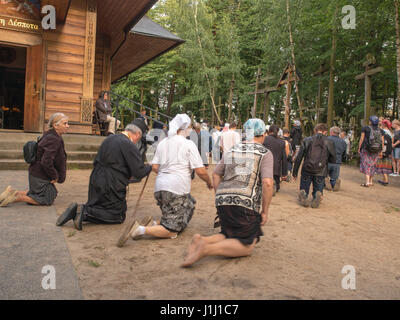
[218,107]
[203,110]
[323,68]
[288,76]
[266,91]
[367,76]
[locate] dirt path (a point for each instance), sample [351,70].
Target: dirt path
[301,255]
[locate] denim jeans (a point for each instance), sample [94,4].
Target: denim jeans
[317,181]
[333,172]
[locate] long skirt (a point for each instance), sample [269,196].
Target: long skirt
[384,165]
[368,162]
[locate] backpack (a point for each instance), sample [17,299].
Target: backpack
[374,143]
[30,150]
[317,156]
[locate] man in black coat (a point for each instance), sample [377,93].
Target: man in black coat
[277,147]
[317,152]
[117,162]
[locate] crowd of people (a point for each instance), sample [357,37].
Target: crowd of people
[250,166]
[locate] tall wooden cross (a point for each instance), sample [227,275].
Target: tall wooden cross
[266,91]
[368,64]
[323,68]
[288,76]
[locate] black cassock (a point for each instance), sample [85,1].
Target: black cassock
[117,160]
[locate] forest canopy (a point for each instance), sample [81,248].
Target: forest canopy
[212,75]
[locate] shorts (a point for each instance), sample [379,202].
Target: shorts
[240,223]
[396,153]
[177,210]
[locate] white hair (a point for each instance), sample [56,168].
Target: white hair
[56,118]
[133,128]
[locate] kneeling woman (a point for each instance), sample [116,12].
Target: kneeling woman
[48,169]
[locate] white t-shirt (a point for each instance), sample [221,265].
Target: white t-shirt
[177,157]
[229,139]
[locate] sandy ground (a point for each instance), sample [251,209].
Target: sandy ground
[300,256]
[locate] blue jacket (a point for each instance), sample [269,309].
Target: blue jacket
[340,147]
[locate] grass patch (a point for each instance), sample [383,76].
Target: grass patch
[71,234]
[391,209]
[94,263]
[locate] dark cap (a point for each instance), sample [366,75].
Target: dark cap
[139,122]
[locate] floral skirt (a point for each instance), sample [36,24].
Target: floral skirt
[384,166]
[368,162]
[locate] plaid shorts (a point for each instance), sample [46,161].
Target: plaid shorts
[177,210]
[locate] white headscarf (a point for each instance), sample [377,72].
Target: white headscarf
[180,122]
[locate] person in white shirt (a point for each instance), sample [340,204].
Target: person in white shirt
[174,160]
[229,138]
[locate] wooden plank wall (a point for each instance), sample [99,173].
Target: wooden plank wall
[66,49]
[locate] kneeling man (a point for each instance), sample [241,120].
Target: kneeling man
[242,179]
[174,160]
[118,161]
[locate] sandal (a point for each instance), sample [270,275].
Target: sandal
[365,185]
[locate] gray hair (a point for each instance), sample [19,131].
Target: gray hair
[335,130]
[56,118]
[132,128]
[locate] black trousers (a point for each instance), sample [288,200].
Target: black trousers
[277,182]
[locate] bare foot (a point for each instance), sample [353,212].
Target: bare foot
[196,254]
[192,245]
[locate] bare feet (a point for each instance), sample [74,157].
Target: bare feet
[192,245]
[195,251]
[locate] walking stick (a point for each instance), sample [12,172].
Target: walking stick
[128,227]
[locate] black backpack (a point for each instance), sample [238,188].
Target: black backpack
[317,156]
[374,143]
[30,150]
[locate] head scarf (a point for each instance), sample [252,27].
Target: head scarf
[254,128]
[374,120]
[180,122]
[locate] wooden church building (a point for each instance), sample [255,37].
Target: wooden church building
[95,43]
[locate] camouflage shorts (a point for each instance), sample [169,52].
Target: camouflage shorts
[177,210]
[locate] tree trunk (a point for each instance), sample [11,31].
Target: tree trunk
[299,102]
[171,96]
[332,71]
[396,3]
[204,63]
[230,99]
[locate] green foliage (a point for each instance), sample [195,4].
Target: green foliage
[238,36]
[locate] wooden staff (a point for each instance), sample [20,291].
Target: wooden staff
[129,226]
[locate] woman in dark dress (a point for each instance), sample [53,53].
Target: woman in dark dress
[48,169]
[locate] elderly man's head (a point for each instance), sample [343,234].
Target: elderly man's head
[334,131]
[134,132]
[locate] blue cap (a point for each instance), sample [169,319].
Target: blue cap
[374,120]
[255,125]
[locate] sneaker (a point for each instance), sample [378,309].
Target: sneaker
[394,174]
[68,214]
[146,222]
[304,199]
[328,185]
[10,199]
[78,218]
[6,193]
[317,200]
[336,187]
[383,183]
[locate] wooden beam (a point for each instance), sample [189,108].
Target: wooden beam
[89,62]
[369,72]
